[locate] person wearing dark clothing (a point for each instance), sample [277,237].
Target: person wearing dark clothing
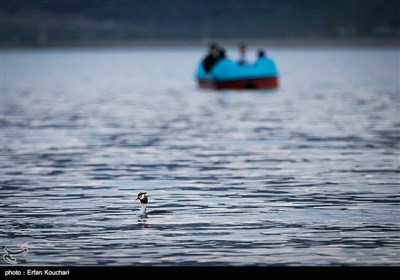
[261,53]
[222,53]
[212,57]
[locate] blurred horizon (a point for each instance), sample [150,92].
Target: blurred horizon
[46,23]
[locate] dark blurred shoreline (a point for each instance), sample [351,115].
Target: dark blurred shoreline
[180,23]
[286,43]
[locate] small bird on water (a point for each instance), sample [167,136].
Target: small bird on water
[144,198]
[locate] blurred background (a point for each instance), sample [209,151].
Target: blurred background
[104,22]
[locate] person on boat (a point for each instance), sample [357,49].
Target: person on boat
[243,60]
[224,63]
[212,57]
[261,56]
[261,53]
[222,53]
[263,60]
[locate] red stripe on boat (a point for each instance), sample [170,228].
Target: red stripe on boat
[255,83]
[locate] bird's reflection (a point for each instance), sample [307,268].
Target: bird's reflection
[142,221]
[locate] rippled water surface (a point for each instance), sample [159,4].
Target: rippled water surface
[304,175]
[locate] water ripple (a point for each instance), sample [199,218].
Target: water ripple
[306,175]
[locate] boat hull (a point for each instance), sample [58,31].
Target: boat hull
[249,83]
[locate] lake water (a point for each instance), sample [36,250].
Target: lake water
[304,175]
